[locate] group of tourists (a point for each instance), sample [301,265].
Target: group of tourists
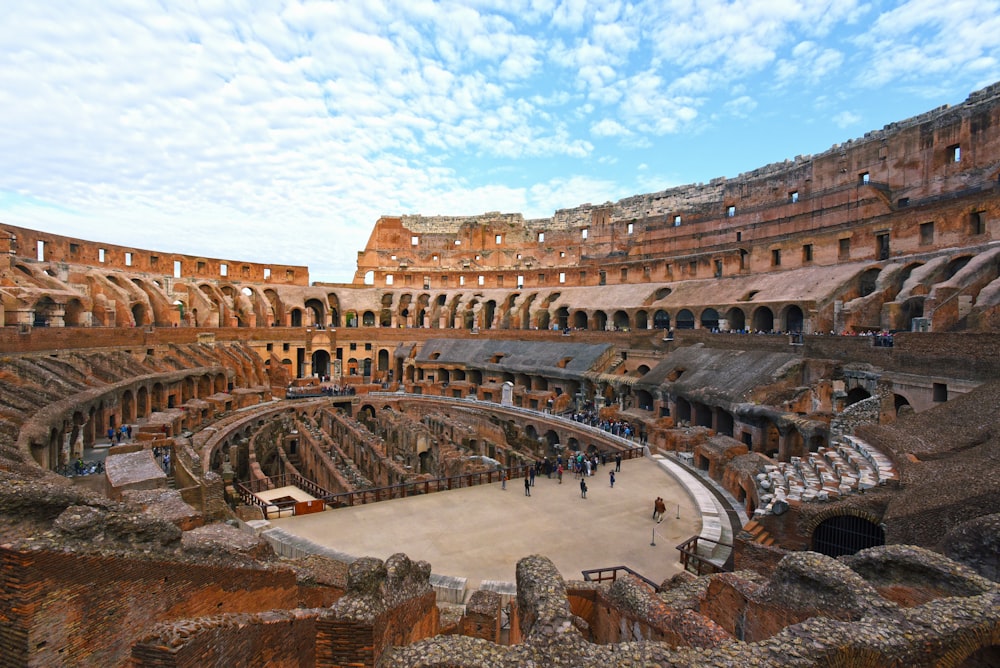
[122,433]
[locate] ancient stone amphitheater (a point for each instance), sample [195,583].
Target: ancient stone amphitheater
[814,343]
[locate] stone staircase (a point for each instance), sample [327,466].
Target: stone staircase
[848,466]
[758,533]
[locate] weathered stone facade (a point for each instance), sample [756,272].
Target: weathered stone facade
[747,322]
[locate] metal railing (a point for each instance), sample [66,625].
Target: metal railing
[610,574]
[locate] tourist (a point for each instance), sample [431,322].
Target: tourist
[656,507]
[527,486]
[503,479]
[583,488]
[618,462]
[531,475]
[661,509]
[612,474]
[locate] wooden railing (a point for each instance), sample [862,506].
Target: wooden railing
[696,563]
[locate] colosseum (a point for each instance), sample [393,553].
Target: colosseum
[810,349]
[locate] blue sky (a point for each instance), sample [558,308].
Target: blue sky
[280,131]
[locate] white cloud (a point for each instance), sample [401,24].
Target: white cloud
[238,132]
[846,119]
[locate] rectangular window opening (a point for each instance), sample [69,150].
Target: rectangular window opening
[807,253]
[415,241]
[388,279]
[562,276]
[223,269]
[677,221]
[864,178]
[844,249]
[128,259]
[730,211]
[177,268]
[584,233]
[541,237]
[630,228]
[776,257]
[926,233]
[977,222]
[955,153]
[793,196]
[267,273]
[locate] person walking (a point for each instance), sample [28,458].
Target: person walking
[612,474]
[527,486]
[531,476]
[661,509]
[503,480]
[583,488]
[656,507]
[618,462]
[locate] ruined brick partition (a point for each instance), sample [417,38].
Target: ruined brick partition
[277,639]
[343,641]
[72,609]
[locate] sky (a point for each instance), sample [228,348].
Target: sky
[279,131]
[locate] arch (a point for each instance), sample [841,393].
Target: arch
[368,319]
[641,319]
[794,319]
[844,534]
[867,281]
[383,360]
[543,320]
[661,320]
[912,308]
[600,320]
[75,314]
[901,403]
[684,320]
[736,319]
[139,315]
[580,320]
[321,363]
[763,319]
[856,394]
[318,311]
[621,320]
[644,400]
[296,317]
[562,317]
[710,319]
[489,313]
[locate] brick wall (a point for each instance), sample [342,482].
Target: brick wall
[73,609]
[276,639]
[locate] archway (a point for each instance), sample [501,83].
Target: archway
[661,320]
[856,394]
[794,319]
[846,534]
[600,320]
[621,320]
[580,320]
[685,319]
[139,314]
[736,320]
[763,319]
[321,363]
[641,320]
[710,319]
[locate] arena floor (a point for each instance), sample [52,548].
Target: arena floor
[480,532]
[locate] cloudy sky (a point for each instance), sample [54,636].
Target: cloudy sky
[278,131]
